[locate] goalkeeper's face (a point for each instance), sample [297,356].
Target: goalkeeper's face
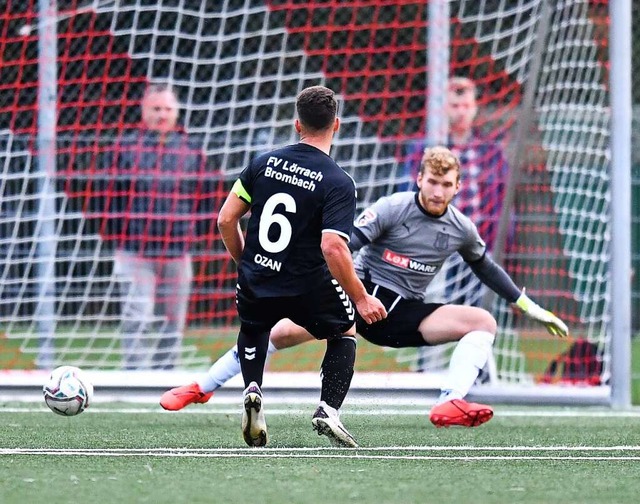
[437,189]
[160,111]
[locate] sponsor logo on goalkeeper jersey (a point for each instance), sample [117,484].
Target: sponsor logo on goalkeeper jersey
[408,263]
[292,173]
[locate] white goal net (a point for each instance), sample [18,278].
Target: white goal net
[237,66]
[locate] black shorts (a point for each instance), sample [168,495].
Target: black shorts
[400,328]
[326,311]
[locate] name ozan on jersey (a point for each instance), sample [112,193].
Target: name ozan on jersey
[407,263]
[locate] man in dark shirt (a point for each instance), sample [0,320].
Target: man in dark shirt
[157,183]
[295,262]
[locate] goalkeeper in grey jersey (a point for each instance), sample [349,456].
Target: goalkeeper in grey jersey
[403,240]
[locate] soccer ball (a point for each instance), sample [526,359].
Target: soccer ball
[68,392]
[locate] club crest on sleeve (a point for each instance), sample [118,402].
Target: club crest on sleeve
[365,217]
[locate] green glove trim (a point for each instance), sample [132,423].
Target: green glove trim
[524,302]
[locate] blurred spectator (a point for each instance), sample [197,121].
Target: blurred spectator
[485,172]
[158,182]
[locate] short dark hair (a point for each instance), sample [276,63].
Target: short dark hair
[317,107]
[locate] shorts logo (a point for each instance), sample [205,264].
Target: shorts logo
[442,241]
[408,263]
[365,217]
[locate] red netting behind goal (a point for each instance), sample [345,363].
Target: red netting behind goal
[236,68]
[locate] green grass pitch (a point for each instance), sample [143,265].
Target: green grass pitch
[138,453]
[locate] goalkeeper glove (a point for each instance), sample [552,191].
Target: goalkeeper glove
[553,324]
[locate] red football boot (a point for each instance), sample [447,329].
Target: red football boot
[179,397]
[460,412]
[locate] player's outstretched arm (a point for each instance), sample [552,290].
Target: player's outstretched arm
[530,308]
[338,257]
[497,279]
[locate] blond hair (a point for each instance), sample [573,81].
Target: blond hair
[440,161]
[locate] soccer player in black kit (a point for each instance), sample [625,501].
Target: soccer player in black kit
[403,240]
[295,262]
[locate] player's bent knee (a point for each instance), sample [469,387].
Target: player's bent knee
[485,322]
[286,334]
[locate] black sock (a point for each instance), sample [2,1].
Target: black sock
[252,353]
[337,370]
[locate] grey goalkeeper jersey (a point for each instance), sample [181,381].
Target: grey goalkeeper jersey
[402,247]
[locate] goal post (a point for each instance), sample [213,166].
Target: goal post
[621,270]
[237,67]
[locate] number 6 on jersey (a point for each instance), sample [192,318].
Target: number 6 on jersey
[269,218]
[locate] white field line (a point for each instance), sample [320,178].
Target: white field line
[209,410]
[147,451]
[260,453]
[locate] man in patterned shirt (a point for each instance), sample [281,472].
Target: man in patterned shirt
[403,240]
[480,197]
[156,187]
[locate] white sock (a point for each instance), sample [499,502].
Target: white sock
[329,410]
[225,368]
[468,358]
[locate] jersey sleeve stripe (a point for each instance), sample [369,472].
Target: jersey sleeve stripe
[239,190]
[344,235]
